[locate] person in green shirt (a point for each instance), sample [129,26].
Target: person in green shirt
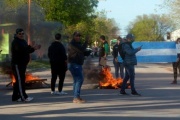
[104,49]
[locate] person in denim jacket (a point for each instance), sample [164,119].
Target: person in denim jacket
[129,63]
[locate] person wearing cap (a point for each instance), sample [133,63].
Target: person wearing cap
[117,60]
[129,63]
[20,56]
[58,61]
[75,61]
[104,50]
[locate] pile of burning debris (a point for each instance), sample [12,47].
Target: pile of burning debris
[31,81]
[104,78]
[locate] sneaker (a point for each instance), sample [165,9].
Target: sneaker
[123,93]
[28,99]
[58,93]
[19,100]
[63,93]
[78,100]
[174,82]
[135,94]
[53,92]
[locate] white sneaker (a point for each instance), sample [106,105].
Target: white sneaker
[63,93]
[53,92]
[28,99]
[58,93]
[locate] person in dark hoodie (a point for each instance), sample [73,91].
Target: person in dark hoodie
[75,61]
[117,60]
[129,63]
[58,61]
[20,52]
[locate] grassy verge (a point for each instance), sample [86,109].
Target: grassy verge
[38,65]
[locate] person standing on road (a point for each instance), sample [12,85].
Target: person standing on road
[117,60]
[20,52]
[129,63]
[104,50]
[176,65]
[58,61]
[75,61]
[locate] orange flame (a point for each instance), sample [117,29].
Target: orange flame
[29,77]
[109,80]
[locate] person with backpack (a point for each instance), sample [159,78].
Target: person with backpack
[129,61]
[117,60]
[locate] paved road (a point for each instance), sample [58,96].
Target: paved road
[159,101]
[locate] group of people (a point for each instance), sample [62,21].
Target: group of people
[126,63]
[60,62]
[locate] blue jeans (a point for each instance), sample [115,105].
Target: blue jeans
[129,74]
[119,67]
[76,71]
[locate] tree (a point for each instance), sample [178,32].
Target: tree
[173,7]
[68,12]
[150,28]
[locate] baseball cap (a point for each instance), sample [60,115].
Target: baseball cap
[19,30]
[76,33]
[130,36]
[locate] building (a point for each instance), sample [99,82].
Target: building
[174,35]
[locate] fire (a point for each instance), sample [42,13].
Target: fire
[29,77]
[109,80]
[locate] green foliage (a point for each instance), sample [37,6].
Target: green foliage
[75,15]
[68,12]
[38,64]
[150,28]
[174,7]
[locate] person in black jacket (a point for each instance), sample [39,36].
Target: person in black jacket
[20,52]
[58,61]
[75,61]
[117,60]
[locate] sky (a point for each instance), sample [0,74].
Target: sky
[125,11]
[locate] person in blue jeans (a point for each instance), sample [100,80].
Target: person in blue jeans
[75,61]
[129,63]
[117,60]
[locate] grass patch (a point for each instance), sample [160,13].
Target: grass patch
[38,64]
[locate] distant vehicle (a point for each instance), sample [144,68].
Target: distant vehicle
[88,52]
[112,43]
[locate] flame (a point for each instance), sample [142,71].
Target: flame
[29,77]
[109,80]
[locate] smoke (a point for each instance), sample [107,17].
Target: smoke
[41,31]
[91,72]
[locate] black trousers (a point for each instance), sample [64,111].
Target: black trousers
[176,67]
[19,85]
[58,70]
